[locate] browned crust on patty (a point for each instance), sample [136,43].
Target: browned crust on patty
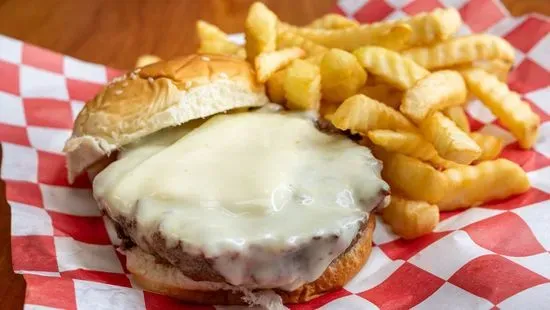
[339,272]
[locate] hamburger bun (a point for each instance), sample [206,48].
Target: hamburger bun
[138,109]
[167,280]
[158,96]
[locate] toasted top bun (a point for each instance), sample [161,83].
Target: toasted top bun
[157,96]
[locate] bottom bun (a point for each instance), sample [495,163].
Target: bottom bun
[168,280]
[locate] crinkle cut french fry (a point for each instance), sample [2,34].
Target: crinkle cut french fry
[333,21]
[498,67]
[458,115]
[450,142]
[393,68]
[505,104]
[275,87]
[214,41]
[384,93]
[269,62]
[410,218]
[426,28]
[287,39]
[461,50]
[415,179]
[145,60]
[341,75]
[260,30]
[359,114]
[490,146]
[302,86]
[434,92]
[410,144]
[407,143]
[489,180]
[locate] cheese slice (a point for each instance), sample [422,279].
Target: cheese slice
[267,198]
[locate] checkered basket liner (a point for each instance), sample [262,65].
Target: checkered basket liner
[492,257]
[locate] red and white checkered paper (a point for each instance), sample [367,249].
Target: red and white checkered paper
[492,257]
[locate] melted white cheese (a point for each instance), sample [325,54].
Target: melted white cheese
[268,199]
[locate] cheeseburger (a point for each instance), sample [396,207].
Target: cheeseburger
[218,200]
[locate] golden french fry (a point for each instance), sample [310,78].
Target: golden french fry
[275,84]
[407,143]
[214,41]
[397,38]
[490,146]
[268,62]
[384,93]
[396,70]
[415,179]
[410,219]
[458,115]
[461,50]
[435,92]
[275,87]
[410,144]
[427,28]
[360,114]
[450,142]
[302,86]
[333,21]
[145,60]
[489,180]
[287,39]
[498,67]
[505,104]
[260,30]
[341,75]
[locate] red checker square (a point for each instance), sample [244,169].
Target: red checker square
[495,278]
[405,249]
[372,11]
[420,6]
[14,134]
[528,160]
[113,73]
[405,288]
[10,77]
[48,113]
[528,76]
[42,58]
[159,302]
[52,170]
[34,253]
[50,292]
[24,192]
[531,197]
[98,276]
[481,14]
[320,301]
[83,91]
[89,229]
[529,33]
[505,234]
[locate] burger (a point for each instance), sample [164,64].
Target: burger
[220,197]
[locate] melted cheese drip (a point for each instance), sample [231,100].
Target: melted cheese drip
[268,199]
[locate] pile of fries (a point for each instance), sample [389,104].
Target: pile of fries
[403,86]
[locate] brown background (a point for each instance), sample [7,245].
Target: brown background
[116,32]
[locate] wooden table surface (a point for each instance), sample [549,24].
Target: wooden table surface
[115,33]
